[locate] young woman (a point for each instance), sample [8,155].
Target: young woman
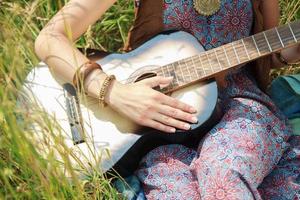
[233,159]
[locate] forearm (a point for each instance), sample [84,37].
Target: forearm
[59,54]
[63,59]
[55,43]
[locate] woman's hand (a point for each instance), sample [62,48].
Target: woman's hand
[148,107]
[290,55]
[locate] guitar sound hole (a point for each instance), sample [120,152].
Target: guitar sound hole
[146,75]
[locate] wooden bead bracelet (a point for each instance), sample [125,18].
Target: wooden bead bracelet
[104,88]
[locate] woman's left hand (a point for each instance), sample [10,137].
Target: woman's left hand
[290,55]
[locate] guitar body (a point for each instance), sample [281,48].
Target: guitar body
[106,129]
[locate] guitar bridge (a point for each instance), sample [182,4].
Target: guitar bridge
[74,114]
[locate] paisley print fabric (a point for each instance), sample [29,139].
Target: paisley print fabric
[233,159]
[248,154]
[233,21]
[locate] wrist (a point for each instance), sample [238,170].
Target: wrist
[289,56]
[112,94]
[93,83]
[82,72]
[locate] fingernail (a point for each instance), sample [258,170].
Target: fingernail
[194,119]
[172,130]
[187,126]
[193,110]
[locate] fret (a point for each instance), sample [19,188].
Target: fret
[209,62]
[205,64]
[159,71]
[213,61]
[286,35]
[246,49]
[181,74]
[218,59]
[222,60]
[267,42]
[251,48]
[195,67]
[295,26]
[255,44]
[170,72]
[235,53]
[241,51]
[292,33]
[163,71]
[273,39]
[166,73]
[261,43]
[176,74]
[187,69]
[279,37]
[231,54]
[202,66]
[226,56]
[187,62]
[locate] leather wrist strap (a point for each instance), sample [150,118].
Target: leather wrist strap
[82,72]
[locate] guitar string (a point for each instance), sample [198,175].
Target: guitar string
[240,44]
[259,43]
[185,69]
[184,61]
[189,59]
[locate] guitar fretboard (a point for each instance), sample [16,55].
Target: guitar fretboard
[211,62]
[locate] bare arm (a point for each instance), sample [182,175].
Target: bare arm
[54,45]
[271,13]
[137,101]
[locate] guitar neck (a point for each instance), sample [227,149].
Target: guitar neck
[214,61]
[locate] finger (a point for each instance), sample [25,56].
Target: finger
[171,121]
[170,101]
[156,81]
[177,114]
[159,126]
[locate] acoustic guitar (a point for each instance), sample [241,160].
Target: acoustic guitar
[102,138]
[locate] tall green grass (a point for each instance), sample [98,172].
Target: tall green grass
[24,173]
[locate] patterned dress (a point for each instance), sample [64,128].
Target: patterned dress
[247,155]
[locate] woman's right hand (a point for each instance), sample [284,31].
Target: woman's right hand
[148,107]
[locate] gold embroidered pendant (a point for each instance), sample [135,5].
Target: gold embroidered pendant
[207,7]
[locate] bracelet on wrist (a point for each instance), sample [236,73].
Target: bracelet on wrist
[82,72]
[104,88]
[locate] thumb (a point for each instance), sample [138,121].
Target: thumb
[157,81]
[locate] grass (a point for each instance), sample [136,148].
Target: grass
[24,173]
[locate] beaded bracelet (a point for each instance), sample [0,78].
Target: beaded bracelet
[102,93]
[82,72]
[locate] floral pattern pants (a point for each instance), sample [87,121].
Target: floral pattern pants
[247,155]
